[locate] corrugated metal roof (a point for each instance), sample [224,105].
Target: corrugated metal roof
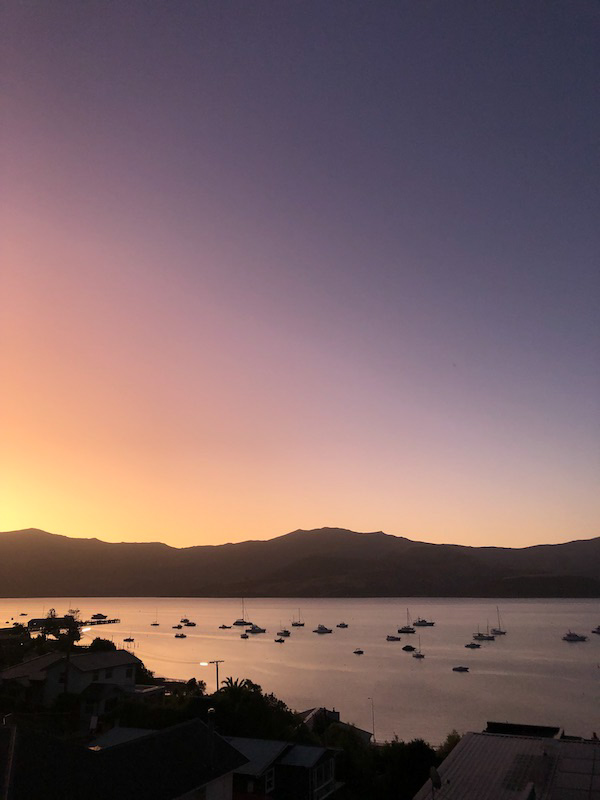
[486,766]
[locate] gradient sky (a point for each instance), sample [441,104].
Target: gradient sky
[270,265]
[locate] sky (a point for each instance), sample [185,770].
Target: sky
[269,266]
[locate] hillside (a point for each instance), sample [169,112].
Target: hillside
[327,562]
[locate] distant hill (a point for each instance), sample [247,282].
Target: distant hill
[328,562]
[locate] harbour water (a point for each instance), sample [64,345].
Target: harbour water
[529,676]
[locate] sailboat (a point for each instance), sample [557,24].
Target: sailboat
[156,622]
[242,620]
[297,623]
[408,627]
[498,631]
[418,653]
[484,637]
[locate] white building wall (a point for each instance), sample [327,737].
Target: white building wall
[78,681]
[53,687]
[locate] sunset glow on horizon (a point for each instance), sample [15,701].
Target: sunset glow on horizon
[267,267]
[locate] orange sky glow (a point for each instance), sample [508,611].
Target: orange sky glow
[230,309]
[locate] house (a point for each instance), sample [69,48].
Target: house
[18,633]
[98,676]
[184,762]
[318,719]
[283,770]
[517,762]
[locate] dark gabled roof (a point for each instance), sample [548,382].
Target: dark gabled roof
[118,735]
[34,668]
[260,753]
[304,755]
[104,659]
[264,753]
[162,765]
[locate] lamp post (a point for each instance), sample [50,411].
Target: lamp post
[372,717]
[216,662]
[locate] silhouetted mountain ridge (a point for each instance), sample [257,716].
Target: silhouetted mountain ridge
[327,562]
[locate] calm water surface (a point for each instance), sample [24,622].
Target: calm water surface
[529,675]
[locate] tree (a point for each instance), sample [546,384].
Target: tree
[448,745]
[243,710]
[102,645]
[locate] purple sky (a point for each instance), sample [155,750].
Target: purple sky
[272,265]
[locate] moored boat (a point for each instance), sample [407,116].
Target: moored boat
[298,623]
[180,636]
[418,653]
[391,638]
[574,637]
[499,631]
[322,629]
[460,669]
[409,648]
[484,637]
[408,627]
[423,623]
[242,621]
[342,625]
[358,652]
[256,629]
[473,645]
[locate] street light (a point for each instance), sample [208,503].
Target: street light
[216,662]
[372,717]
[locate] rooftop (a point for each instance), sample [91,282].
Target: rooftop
[156,765]
[260,753]
[35,668]
[302,755]
[494,766]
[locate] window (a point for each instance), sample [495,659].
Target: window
[270,780]
[109,673]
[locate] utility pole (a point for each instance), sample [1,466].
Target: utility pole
[372,717]
[216,663]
